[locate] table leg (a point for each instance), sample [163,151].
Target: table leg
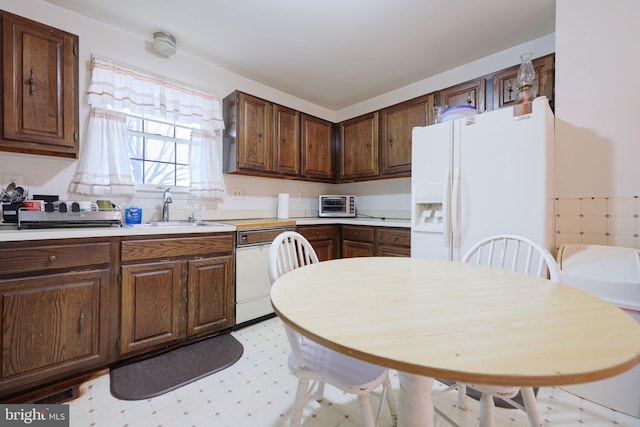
[415,407]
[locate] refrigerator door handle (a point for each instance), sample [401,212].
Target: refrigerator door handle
[446,208]
[455,208]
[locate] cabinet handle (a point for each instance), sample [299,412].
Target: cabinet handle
[510,89]
[317,234]
[283,140]
[390,141]
[52,258]
[32,83]
[469,101]
[81,322]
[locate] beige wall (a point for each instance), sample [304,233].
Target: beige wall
[597,89]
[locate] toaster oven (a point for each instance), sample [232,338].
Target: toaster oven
[332,205]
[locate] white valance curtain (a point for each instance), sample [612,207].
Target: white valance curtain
[117,87]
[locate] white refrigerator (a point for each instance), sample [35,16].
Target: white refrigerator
[487,174]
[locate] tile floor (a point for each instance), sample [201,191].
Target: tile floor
[258,392]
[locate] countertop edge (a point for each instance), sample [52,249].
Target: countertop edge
[10,233]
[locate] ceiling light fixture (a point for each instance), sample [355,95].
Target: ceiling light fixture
[164,43]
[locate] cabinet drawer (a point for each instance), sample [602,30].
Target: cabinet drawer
[394,236]
[362,234]
[318,233]
[137,250]
[19,260]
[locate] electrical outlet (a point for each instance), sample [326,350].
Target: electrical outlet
[8,178]
[238,193]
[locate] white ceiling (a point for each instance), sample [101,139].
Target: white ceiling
[334,53]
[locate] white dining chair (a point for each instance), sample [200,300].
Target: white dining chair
[310,361]
[520,254]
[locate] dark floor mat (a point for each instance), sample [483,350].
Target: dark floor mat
[168,371]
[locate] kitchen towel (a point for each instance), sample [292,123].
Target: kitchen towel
[283,205]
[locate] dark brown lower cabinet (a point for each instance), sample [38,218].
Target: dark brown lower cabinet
[175,289]
[55,312]
[360,240]
[325,240]
[72,307]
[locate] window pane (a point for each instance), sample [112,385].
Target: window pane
[134,123]
[156,128]
[162,151]
[158,152]
[159,173]
[182,176]
[136,146]
[182,154]
[136,169]
[183,133]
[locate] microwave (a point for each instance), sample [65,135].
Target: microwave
[336,206]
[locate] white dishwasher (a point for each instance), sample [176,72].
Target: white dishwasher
[252,274]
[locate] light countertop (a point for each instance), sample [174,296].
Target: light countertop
[10,232]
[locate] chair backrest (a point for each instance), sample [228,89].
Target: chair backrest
[515,253]
[288,251]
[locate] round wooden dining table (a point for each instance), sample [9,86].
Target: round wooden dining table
[455,321]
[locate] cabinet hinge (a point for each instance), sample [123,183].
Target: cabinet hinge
[75,136]
[118,344]
[119,278]
[75,50]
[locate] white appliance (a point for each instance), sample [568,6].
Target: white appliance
[613,274]
[481,175]
[253,286]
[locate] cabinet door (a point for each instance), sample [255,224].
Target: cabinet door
[324,239]
[359,147]
[505,85]
[396,126]
[317,148]
[40,70]
[151,305]
[469,93]
[53,324]
[254,133]
[357,241]
[351,249]
[393,241]
[286,140]
[210,295]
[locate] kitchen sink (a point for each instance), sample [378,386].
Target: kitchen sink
[177,224]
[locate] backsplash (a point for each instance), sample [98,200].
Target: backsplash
[611,221]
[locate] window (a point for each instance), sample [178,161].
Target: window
[158,152]
[133,127]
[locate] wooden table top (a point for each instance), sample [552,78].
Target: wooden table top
[457,321]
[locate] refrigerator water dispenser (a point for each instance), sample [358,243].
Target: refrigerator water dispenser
[428,207]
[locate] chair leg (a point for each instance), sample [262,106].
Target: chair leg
[529,399]
[298,404]
[366,411]
[320,391]
[487,410]
[387,395]
[462,396]
[391,402]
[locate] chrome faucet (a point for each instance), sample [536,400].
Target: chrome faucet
[166,199]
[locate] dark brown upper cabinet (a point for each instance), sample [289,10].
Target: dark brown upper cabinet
[40,88]
[396,128]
